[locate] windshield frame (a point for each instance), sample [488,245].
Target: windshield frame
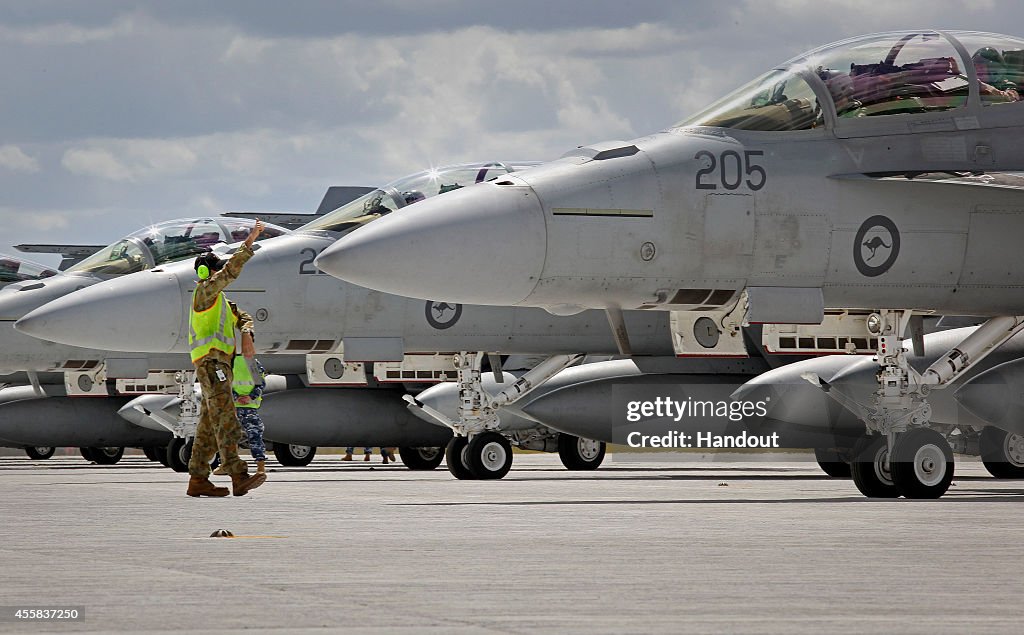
[804,65]
[338,222]
[135,239]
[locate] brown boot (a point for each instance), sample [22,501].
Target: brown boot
[261,466]
[203,487]
[366,457]
[242,483]
[347,457]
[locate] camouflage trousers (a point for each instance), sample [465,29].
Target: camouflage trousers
[218,428]
[253,426]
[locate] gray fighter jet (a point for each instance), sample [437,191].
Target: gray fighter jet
[814,200]
[46,412]
[14,269]
[354,337]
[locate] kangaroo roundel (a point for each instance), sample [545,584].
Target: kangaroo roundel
[443,315]
[876,246]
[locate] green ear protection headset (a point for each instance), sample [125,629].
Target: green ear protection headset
[203,271]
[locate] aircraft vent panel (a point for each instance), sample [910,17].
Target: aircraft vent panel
[838,334]
[419,369]
[156,382]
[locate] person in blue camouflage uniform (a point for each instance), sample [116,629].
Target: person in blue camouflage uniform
[247,407]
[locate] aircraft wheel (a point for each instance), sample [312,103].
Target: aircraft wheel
[421,458]
[151,452]
[834,462]
[87,454]
[455,457]
[580,454]
[1002,452]
[107,456]
[294,455]
[179,451]
[40,453]
[922,464]
[870,469]
[489,455]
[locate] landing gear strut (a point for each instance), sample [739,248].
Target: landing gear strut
[917,460]
[476,451]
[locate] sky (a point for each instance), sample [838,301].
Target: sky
[117,115]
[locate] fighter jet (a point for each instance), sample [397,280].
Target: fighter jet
[13,269]
[59,373]
[796,201]
[97,429]
[355,337]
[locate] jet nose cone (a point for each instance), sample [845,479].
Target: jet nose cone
[141,312]
[18,300]
[484,244]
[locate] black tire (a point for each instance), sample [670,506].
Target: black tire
[107,456]
[1002,452]
[294,455]
[421,458]
[86,454]
[580,454]
[161,455]
[151,452]
[922,464]
[40,453]
[833,462]
[489,456]
[868,468]
[454,457]
[179,451]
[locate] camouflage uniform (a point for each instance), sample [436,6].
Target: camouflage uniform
[250,417]
[218,428]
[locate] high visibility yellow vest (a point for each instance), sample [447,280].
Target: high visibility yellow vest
[244,382]
[212,329]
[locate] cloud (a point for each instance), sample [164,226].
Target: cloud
[157,110]
[66,33]
[130,159]
[13,158]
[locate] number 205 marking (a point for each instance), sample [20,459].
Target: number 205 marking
[732,169]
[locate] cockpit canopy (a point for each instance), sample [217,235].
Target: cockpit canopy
[410,189]
[167,242]
[877,75]
[13,269]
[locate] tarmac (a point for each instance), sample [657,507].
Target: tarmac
[630,548]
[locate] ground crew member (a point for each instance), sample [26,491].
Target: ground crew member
[212,324]
[248,389]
